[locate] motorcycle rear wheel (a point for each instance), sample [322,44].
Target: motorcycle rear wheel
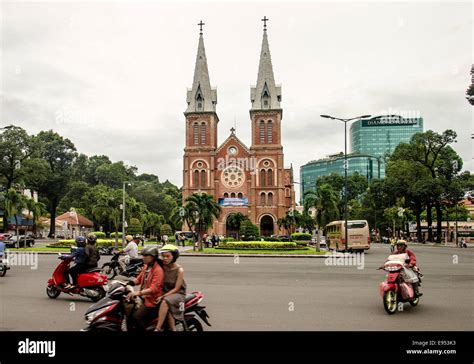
[415,301]
[3,272]
[390,302]
[101,294]
[193,324]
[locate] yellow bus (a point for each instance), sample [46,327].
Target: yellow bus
[359,235]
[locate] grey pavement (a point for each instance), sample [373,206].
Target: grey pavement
[274,294]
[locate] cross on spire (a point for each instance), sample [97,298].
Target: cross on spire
[200,27]
[265,19]
[232,130]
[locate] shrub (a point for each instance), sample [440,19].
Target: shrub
[134,227]
[271,238]
[99,234]
[171,240]
[301,236]
[69,242]
[112,235]
[257,245]
[228,240]
[165,229]
[248,231]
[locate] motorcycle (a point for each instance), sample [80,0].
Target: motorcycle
[106,250]
[110,314]
[398,287]
[113,268]
[89,284]
[4,266]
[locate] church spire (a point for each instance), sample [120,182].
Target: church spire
[201,97]
[266,95]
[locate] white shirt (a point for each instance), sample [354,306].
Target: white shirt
[132,250]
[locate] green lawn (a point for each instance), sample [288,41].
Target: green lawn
[40,249]
[242,251]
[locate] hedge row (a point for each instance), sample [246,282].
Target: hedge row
[255,245]
[301,236]
[69,242]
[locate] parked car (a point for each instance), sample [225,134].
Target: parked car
[322,242]
[281,237]
[19,241]
[5,236]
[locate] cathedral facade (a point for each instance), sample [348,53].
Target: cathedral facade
[250,180]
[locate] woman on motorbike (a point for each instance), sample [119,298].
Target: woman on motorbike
[172,301]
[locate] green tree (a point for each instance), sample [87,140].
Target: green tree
[202,209]
[14,204]
[325,200]
[135,227]
[54,158]
[248,231]
[35,211]
[107,208]
[234,221]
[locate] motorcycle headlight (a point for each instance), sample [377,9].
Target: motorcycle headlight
[93,315]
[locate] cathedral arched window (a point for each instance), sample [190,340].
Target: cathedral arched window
[262,178]
[196,179]
[262,199]
[226,195]
[262,132]
[232,195]
[269,132]
[196,133]
[203,178]
[270,199]
[203,133]
[270,177]
[240,195]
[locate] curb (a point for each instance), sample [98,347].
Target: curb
[256,255]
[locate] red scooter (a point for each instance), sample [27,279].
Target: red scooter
[89,284]
[395,289]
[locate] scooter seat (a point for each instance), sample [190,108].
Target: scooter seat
[92,270]
[189,297]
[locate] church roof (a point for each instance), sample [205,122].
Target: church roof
[265,81]
[232,136]
[201,97]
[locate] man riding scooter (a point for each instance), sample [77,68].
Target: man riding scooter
[401,248]
[79,256]
[130,251]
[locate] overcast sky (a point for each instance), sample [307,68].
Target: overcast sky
[112,77]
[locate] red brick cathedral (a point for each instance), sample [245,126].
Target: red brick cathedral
[252,180]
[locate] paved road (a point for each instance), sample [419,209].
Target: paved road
[275,294]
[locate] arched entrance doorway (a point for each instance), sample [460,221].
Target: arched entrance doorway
[266,225]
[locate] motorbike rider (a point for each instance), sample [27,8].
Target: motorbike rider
[91,251]
[150,281]
[130,251]
[402,249]
[79,256]
[174,289]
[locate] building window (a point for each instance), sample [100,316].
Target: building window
[270,199]
[240,195]
[262,199]
[196,179]
[262,178]
[270,177]
[226,195]
[232,195]
[196,133]
[203,133]
[262,132]
[270,132]
[203,179]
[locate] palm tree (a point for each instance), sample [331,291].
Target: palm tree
[14,204]
[234,220]
[202,209]
[108,208]
[35,210]
[325,200]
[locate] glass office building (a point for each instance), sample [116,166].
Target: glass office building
[379,136]
[363,164]
[371,140]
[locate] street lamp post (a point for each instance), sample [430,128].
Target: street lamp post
[345,121]
[123,212]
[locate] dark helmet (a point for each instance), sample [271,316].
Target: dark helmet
[80,241]
[91,238]
[172,249]
[150,250]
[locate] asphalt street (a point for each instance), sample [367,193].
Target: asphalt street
[274,294]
